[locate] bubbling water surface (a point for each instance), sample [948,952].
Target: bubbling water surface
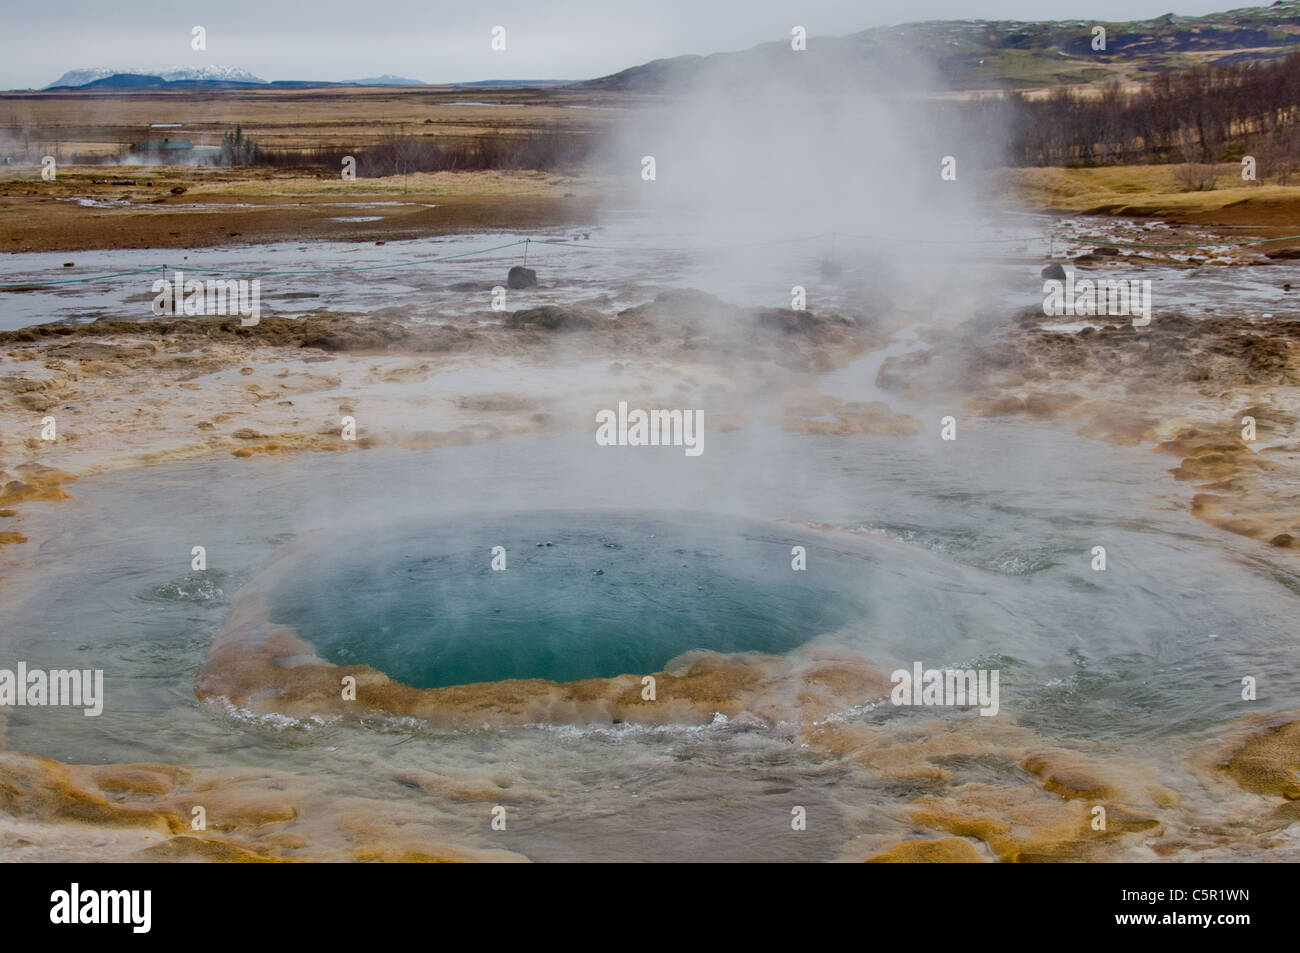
[569,595]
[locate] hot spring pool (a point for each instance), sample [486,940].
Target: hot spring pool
[582,594]
[974,554]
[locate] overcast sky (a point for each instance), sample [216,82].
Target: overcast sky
[439,41]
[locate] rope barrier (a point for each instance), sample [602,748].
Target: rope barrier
[1093,240]
[527,242]
[1068,239]
[70,281]
[236,271]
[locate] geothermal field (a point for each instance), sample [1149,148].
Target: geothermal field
[818,454]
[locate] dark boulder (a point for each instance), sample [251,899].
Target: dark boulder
[786,321]
[1053,272]
[521,277]
[552,318]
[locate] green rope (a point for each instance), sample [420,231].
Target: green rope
[73,281]
[1091,240]
[680,248]
[946,241]
[233,271]
[340,271]
[1078,240]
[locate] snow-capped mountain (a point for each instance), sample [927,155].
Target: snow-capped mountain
[211,74]
[388,79]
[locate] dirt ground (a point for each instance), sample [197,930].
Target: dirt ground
[174,207]
[96,202]
[1153,191]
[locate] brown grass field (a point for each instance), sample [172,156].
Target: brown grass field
[94,205]
[74,122]
[190,205]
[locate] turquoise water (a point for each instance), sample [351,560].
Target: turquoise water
[582,595]
[979,549]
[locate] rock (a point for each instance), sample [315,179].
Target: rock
[187,847]
[521,277]
[1105,250]
[1064,773]
[1283,540]
[41,789]
[1269,763]
[37,403]
[945,850]
[1053,272]
[785,320]
[552,318]
[1283,254]
[16,491]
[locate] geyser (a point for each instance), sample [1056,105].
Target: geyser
[581,595]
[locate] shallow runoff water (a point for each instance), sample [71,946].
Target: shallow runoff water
[969,268]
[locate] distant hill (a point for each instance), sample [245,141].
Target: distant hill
[219,77]
[991,54]
[131,78]
[199,77]
[939,54]
[387,80]
[515,83]
[122,81]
